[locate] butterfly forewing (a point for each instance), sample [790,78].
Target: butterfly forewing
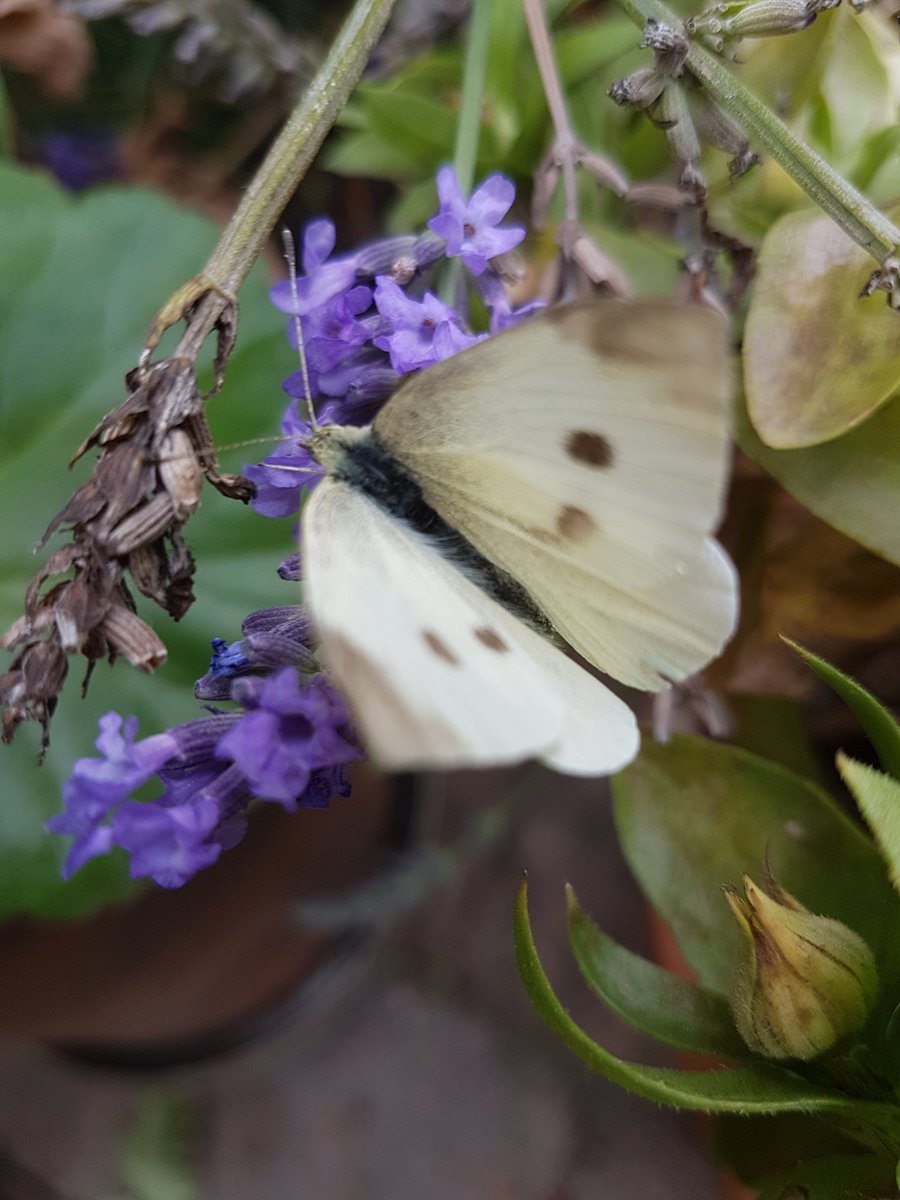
[430,664]
[585,453]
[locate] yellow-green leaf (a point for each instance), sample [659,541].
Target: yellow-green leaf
[878,797]
[818,359]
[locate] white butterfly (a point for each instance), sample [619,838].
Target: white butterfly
[582,458]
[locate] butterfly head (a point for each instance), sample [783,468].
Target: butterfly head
[329,444]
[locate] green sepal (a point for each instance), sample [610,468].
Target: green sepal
[878,798]
[878,725]
[672,1010]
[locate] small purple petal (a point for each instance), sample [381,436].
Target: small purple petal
[168,844]
[318,243]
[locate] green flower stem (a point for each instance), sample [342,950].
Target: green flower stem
[468,128]
[468,125]
[297,145]
[844,204]
[277,179]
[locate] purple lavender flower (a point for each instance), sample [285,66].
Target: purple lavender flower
[290,731]
[495,298]
[470,229]
[98,785]
[168,844]
[422,332]
[82,157]
[321,280]
[282,474]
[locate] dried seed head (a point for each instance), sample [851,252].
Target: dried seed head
[720,129]
[604,171]
[640,89]
[132,638]
[670,47]
[599,267]
[674,116]
[179,473]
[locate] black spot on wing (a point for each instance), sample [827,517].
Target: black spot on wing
[439,647]
[574,524]
[592,449]
[490,638]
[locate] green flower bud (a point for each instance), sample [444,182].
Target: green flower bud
[767,18]
[804,981]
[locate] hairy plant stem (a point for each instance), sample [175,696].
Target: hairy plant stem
[275,181]
[857,216]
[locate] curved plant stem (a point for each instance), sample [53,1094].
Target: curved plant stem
[275,181]
[856,215]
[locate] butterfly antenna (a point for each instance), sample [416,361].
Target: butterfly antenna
[290,255]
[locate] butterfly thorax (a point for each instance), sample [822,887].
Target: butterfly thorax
[356,456]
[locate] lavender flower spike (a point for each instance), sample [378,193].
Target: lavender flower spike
[469,229]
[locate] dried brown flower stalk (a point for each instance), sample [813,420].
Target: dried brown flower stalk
[155,449]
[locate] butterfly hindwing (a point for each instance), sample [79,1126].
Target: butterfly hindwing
[584,452]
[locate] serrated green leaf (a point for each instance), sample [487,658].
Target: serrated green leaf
[744,1090]
[878,725]
[695,815]
[852,483]
[670,1009]
[878,798]
[818,359]
[80,280]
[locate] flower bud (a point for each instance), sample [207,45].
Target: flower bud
[767,18]
[804,981]
[720,129]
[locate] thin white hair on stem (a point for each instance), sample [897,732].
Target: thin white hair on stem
[287,239]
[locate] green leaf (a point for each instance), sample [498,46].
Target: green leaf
[80,280]
[670,1009]
[758,1089]
[818,360]
[420,127]
[878,797]
[757,1149]
[853,483]
[879,726]
[695,815]
[840,1177]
